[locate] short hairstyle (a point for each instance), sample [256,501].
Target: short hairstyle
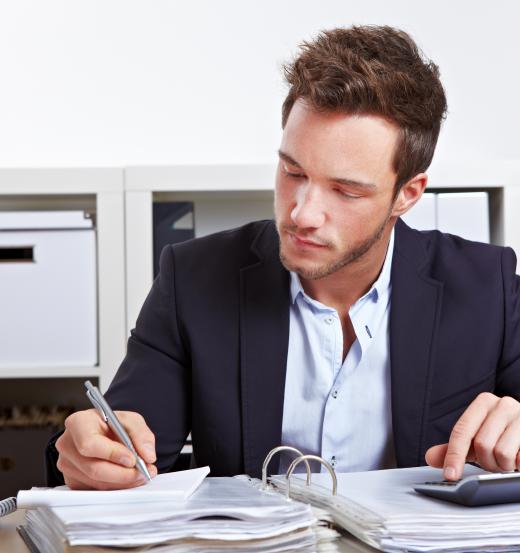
[373,70]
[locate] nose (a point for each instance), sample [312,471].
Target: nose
[308,211]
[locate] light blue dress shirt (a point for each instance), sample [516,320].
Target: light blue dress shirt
[340,409]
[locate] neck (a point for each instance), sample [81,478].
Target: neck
[344,287]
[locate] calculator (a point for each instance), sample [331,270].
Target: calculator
[476,490]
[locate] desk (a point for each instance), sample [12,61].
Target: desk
[11,542]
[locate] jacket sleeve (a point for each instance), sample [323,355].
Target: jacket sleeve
[154,377]
[508,375]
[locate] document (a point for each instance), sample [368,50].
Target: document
[173,486]
[223,513]
[382,509]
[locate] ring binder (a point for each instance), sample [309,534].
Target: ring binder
[7,506]
[272,453]
[306,458]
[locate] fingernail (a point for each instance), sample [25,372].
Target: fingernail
[449,473]
[126,461]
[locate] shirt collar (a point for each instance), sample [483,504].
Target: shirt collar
[377,289]
[382,284]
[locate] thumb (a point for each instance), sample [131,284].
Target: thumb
[435,455]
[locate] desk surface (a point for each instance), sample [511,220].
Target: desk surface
[11,542]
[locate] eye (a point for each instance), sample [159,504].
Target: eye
[347,195]
[291,174]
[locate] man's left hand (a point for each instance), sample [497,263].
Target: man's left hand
[488,433]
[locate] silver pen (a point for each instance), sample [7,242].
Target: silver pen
[103,408]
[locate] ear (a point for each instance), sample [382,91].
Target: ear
[409,194]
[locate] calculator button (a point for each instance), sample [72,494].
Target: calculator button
[443,483]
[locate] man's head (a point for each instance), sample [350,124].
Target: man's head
[361,121]
[373,71]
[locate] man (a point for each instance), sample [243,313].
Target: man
[338,330]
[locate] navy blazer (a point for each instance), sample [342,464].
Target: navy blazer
[209,351]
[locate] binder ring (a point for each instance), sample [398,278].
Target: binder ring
[272,453]
[306,458]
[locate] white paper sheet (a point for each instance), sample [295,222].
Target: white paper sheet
[164,487]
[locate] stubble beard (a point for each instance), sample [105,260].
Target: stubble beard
[349,257]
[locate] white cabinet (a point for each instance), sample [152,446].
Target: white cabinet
[464,214]
[99,192]
[48,293]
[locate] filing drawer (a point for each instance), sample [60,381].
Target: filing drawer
[48,296]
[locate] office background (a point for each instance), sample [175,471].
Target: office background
[113,106]
[133,82]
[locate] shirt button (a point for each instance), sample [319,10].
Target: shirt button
[335,394]
[333,461]
[329,320]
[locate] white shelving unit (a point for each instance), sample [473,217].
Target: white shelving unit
[228,195]
[100,191]
[224,196]
[500,179]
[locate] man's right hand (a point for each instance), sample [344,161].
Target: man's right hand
[91,456]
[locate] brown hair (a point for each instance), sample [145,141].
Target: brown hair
[378,71]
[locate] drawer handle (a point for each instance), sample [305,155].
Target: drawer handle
[20,254]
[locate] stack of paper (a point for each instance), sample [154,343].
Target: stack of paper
[223,513]
[382,509]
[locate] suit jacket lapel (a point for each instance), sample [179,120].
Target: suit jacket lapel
[264,337]
[414,317]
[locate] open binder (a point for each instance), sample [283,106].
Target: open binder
[226,513]
[274,514]
[382,509]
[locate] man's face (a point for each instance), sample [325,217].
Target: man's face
[334,189]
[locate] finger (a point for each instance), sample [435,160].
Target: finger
[84,469]
[142,437]
[96,470]
[507,447]
[74,484]
[88,433]
[76,479]
[518,461]
[101,447]
[80,476]
[435,455]
[490,433]
[463,432]
[92,469]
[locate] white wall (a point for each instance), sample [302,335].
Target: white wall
[126,82]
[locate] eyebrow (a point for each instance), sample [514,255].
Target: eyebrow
[343,181]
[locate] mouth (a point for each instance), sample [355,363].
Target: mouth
[303,242]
